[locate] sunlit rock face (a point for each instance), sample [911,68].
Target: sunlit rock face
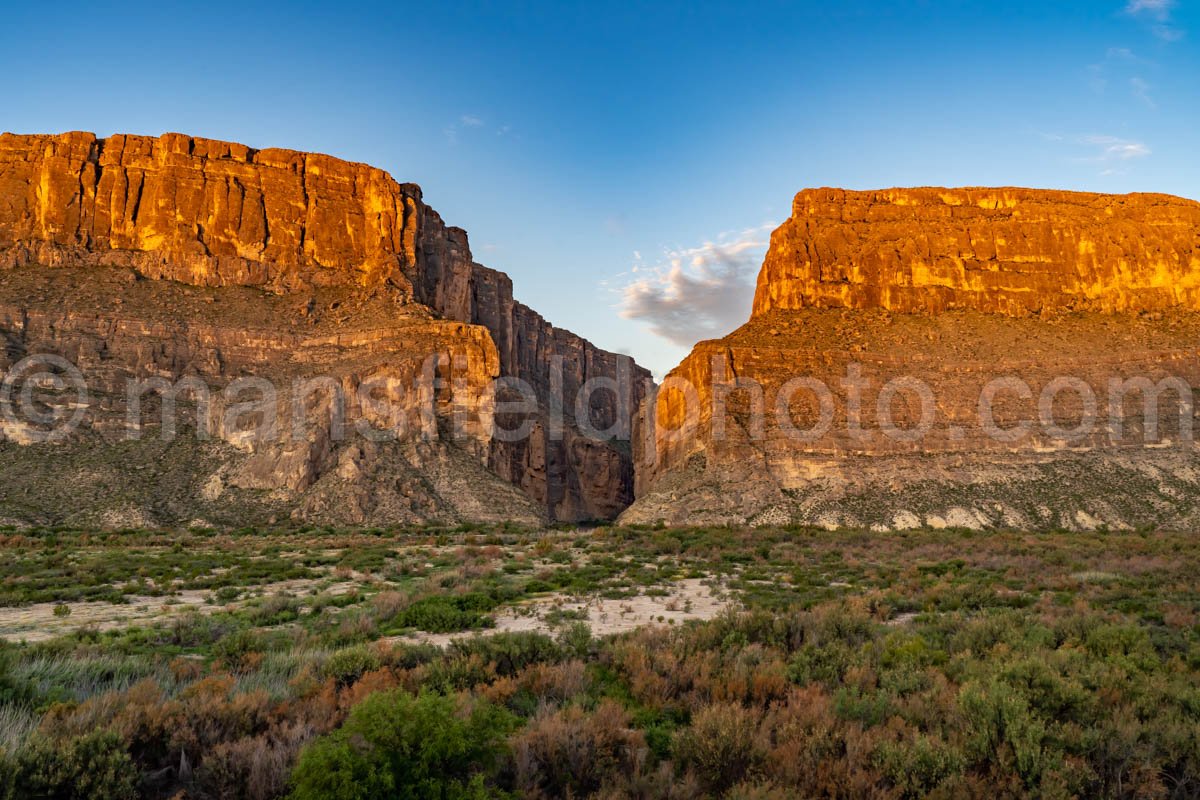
[1004,251]
[945,357]
[345,247]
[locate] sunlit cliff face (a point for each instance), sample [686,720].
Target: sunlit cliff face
[331,240]
[987,356]
[1006,251]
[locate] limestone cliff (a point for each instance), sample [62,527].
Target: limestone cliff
[855,395]
[1008,251]
[220,216]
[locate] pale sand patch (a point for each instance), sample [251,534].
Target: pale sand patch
[37,623]
[689,599]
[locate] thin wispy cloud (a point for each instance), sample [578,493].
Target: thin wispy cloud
[470,122]
[1112,154]
[1113,148]
[1167,33]
[1123,68]
[1160,9]
[1141,90]
[1158,13]
[699,292]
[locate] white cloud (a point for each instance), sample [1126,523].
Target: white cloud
[699,292]
[1159,9]
[1113,155]
[1167,33]
[1113,148]
[469,121]
[1160,12]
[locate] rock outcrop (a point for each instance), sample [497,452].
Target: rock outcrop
[355,264]
[975,357]
[1006,251]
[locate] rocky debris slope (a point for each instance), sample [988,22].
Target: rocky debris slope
[212,351]
[307,235]
[855,395]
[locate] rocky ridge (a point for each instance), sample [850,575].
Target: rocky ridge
[865,297]
[366,273]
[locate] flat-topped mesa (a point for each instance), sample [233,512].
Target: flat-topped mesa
[219,214]
[205,212]
[910,361]
[1007,250]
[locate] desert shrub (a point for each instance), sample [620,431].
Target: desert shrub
[841,622]
[276,609]
[538,586]
[998,715]
[722,745]
[820,663]
[732,629]
[1125,646]
[759,791]
[916,767]
[255,768]
[576,640]
[554,683]
[410,656]
[203,715]
[8,776]
[386,605]
[753,674]
[13,690]
[442,614]
[457,673]
[508,653]
[192,629]
[94,766]
[570,753]
[404,746]
[349,664]
[235,648]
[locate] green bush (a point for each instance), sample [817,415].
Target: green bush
[916,768]
[233,648]
[13,690]
[820,664]
[397,746]
[576,640]
[441,614]
[95,766]
[510,652]
[348,665]
[722,745]
[8,777]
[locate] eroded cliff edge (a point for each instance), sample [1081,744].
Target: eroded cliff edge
[333,236]
[866,297]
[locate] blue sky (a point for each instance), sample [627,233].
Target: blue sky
[625,164]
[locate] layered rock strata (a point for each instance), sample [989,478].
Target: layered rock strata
[975,357]
[318,234]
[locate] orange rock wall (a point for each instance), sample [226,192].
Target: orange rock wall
[1007,251]
[212,213]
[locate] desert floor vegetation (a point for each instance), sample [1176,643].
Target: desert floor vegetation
[606,662]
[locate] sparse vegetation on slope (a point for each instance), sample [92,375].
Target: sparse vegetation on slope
[845,664]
